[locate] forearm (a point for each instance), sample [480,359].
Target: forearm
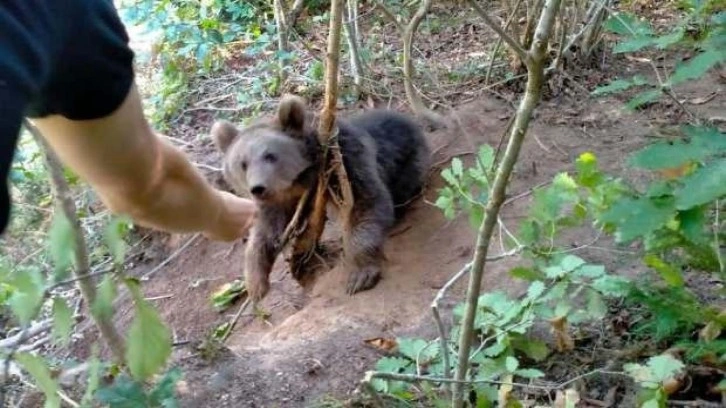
[137,173]
[177,198]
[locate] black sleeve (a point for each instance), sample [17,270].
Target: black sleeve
[11,116]
[26,31]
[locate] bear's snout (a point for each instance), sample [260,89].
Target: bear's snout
[258,191]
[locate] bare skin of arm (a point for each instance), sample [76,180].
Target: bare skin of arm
[138,173]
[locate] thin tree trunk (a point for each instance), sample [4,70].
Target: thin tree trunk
[63,194]
[535,79]
[352,33]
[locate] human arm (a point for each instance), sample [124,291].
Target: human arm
[138,173]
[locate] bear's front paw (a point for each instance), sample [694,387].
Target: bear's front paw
[363,278]
[257,286]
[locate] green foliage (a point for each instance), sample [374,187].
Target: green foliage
[194,37]
[62,244]
[62,320]
[27,295]
[127,393]
[668,312]
[638,35]
[652,377]
[670,216]
[149,340]
[468,190]
[40,372]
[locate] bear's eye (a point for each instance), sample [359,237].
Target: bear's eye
[270,158]
[244,166]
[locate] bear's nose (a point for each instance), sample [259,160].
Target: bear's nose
[257,190]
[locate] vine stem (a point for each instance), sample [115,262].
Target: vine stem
[82,269]
[534,60]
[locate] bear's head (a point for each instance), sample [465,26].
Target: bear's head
[269,157]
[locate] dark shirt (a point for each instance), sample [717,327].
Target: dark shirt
[66,57]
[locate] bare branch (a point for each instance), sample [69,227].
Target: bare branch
[511,42]
[389,15]
[414,99]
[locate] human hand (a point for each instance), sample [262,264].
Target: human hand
[235,218]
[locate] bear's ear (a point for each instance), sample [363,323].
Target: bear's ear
[291,113]
[224,133]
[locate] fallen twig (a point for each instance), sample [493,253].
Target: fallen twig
[236,317]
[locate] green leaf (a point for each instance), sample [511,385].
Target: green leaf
[591,271]
[637,217]
[562,308]
[703,186]
[476,216]
[149,340]
[449,176]
[620,85]
[535,290]
[62,245]
[123,393]
[223,297]
[697,67]
[571,262]
[392,365]
[114,237]
[596,306]
[512,364]
[535,349]
[634,44]
[664,367]
[643,98]
[627,24]
[665,155]
[418,349]
[495,349]
[457,167]
[529,373]
[40,372]
[554,271]
[651,403]
[692,224]
[27,297]
[62,320]
[668,272]
[528,274]
[486,156]
[164,393]
[103,305]
[94,378]
[610,285]
[670,39]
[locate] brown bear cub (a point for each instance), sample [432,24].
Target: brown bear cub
[275,160]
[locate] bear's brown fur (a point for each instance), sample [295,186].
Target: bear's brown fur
[276,160]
